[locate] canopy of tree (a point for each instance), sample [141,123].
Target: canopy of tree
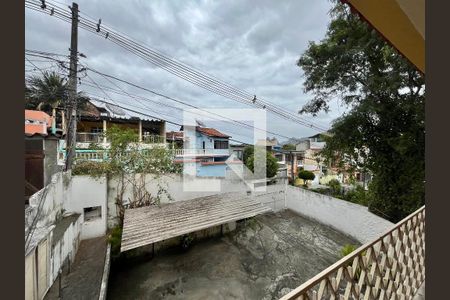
[383,129]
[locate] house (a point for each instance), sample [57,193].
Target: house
[237,151]
[305,156]
[41,149]
[175,139]
[37,122]
[96,117]
[204,152]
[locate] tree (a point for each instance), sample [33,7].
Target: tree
[45,92]
[248,151]
[49,91]
[288,147]
[271,162]
[383,130]
[306,175]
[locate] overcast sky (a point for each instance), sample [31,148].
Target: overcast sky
[253,45]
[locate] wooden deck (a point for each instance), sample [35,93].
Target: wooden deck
[151,224]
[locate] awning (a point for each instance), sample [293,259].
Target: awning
[151,224]
[400,22]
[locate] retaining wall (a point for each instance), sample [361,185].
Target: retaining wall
[352,219]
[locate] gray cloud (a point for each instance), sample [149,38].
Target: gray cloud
[253,45]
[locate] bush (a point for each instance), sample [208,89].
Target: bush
[357,195]
[347,249]
[306,175]
[115,239]
[92,168]
[298,182]
[271,163]
[335,186]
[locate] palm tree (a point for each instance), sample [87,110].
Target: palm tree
[49,92]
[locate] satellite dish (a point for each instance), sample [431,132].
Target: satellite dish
[200,123]
[115,110]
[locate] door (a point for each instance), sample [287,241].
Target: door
[203,146]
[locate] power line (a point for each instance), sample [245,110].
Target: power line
[179,69]
[109,77]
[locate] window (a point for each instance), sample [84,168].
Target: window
[96,129]
[220,144]
[92,213]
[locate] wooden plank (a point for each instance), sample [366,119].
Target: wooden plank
[147,225]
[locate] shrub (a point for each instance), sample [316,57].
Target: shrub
[298,182]
[92,168]
[115,238]
[271,163]
[306,175]
[347,249]
[335,186]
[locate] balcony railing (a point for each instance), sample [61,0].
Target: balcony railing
[207,151]
[153,139]
[391,267]
[87,137]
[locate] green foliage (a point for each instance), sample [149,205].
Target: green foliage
[335,185]
[248,152]
[347,249]
[288,147]
[357,195]
[92,168]
[115,239]
[271,163]
[384,129]
[306,175]
[47,91]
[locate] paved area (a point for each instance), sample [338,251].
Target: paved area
[84,280]
[265,259]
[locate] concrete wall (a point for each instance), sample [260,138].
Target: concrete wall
[54,196]
[211,170]
[89,192]
[57,254]
[64,249]
[352,219]
[274,196]
[50,160]
[174,185]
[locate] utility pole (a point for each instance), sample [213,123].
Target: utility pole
[72,83]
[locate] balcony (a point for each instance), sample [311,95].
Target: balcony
[85,139]
[201,152]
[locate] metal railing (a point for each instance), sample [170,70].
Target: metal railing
[153,139]
[207,151]
[391,267]
[87,137]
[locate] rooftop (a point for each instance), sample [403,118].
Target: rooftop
[264,259]
[151,224]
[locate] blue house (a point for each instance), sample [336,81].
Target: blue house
[204,152]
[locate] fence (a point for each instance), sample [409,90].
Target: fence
[390,267]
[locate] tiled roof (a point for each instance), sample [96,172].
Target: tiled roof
[37,122]
[100,109]
[211,132]
[176,135]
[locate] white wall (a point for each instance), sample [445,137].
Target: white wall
[65,248]
[53,197]
[174,185]
[352,219]
[89,192]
